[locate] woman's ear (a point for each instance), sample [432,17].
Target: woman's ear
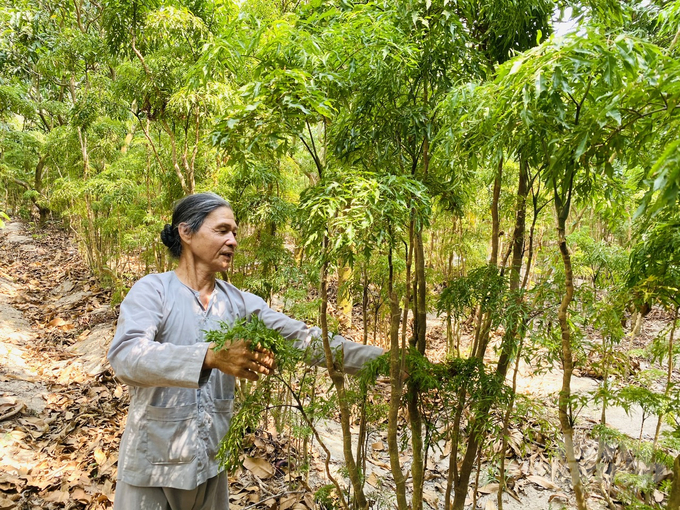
[185,232]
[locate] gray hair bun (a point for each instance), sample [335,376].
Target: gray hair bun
[171,239]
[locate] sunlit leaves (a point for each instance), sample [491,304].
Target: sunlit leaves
[665,179]
[580,101]
[484,286]
[360,213]
[655,265]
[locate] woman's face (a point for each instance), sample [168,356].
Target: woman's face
[213,244]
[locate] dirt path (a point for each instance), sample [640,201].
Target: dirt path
[19,374]
[59,412]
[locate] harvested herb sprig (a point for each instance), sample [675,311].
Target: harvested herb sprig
[252,329]
[258,398]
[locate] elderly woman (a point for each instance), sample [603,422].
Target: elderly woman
[182,390]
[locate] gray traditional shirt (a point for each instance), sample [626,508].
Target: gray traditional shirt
[179,412]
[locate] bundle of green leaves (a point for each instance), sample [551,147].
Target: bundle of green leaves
[247,328]
[253,400]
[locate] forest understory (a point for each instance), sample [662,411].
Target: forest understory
[62,413]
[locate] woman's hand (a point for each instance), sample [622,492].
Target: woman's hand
[239,360]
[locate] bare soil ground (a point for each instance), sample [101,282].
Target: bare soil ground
[62,413]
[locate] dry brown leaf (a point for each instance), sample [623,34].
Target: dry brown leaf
[287,502]
[490,488]
[378,446]
[107,490]
[372,480]
[378,463]
[99,456]
[558,495]
[237,497]
[80,495]
[6,503]
[446,451]
[9,409]
[11,482]
[259,467]
[490,505]
[309,500]
[57,322]
[542,481]
[431,498]
[57,496]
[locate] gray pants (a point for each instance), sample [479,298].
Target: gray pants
[212,495]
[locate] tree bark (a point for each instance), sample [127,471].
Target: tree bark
[669,375]
[564,403]
[495,221]
[413,393]
[396,382]
[674,496]
[508,346]
[338,379]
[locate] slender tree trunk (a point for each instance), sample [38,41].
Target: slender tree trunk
[599,466]
[508,347]
[413,393]
[421,293]
[674,496]
[396,355]
[483,327]
[495,221]
[453,476]
[506,425]
[407,297]
[564,403]
[338,379]
[669,375]
[187,185]
[509,343]
[530,254]
[637,327]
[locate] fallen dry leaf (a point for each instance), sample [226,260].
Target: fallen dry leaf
[490,505]
[378,446]
[10,407]
[431,498]
[373,480]
[6,503]
[542,482]
[289,501]
[658,496]
[100,456]
[57,322]
[80,495]
[490,488]
[259,467]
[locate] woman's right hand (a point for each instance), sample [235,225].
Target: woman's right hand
[239,360]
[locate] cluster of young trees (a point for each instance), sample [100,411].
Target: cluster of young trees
[411,156]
